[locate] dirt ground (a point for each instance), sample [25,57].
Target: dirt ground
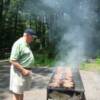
[91,81]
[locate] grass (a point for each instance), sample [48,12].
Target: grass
[92,66]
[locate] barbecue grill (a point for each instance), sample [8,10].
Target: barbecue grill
[75,93]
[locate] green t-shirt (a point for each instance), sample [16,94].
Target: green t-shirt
[22,53]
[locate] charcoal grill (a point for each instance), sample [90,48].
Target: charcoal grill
[76,91]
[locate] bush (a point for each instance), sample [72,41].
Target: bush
[43,60]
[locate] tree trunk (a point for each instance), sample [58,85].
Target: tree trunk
[1,9]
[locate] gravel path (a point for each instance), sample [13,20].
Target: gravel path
[91,81]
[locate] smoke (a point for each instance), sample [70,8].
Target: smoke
[75,26]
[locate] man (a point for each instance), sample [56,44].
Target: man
[21,60]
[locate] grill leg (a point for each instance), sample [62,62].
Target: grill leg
[84,98]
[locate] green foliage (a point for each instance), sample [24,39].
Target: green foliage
[13,21]
[43,60]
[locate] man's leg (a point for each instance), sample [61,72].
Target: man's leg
[16,96]
[21,97]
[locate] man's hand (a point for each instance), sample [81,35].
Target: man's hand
[25,72]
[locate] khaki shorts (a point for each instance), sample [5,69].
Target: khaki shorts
[19,83]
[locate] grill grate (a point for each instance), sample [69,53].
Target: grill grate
[77,91]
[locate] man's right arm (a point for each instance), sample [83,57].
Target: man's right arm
[20,68]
